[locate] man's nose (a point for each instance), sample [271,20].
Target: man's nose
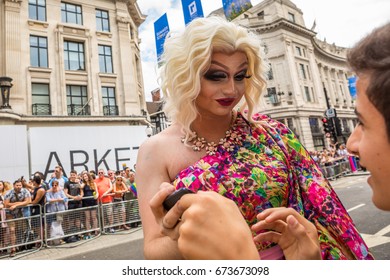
[353,141]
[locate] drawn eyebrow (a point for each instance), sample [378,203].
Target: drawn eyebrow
[225,67]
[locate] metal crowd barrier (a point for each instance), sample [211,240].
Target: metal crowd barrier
[72,225]
[337,169]
[24,233]
[32,233]
[119,214]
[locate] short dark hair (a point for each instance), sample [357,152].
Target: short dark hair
[37,179]
[371,56]
[18,181]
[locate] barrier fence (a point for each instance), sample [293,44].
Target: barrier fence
[340,167]
[47,229]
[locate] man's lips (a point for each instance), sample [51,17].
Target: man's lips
[225,101]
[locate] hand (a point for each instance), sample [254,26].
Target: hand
[296,236]
[156,205]
[211,227]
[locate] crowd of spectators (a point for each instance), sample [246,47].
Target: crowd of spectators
[327,157]
[336,160]
[26,198]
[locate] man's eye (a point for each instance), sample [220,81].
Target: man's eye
[215,76]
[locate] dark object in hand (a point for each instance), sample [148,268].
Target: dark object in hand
[174,197]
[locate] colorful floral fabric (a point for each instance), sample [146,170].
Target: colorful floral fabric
[264,165]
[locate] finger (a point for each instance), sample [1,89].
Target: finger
[280,213]
[298,230]
[173,233]
[278,226]
[156,202]
[173,216]
[270,236]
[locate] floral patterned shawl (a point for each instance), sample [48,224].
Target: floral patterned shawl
[263,165]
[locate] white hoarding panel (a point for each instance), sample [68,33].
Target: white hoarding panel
[84,148]
[13,152]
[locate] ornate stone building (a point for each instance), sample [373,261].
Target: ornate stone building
[302,68]
[73,62]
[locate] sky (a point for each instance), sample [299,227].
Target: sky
[342,22]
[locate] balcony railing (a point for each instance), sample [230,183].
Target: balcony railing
[79,110]
[110,110]
[39,109]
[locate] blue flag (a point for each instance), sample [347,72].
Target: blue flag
[161,29]
[234,8]
[352,86]
[191,9]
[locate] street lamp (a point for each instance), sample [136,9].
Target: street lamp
[5,87]
[149,131]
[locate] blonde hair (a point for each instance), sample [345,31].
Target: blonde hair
[7,186]
[187,57]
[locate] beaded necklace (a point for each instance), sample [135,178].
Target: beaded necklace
[231,138]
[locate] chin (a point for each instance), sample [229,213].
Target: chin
[382,204]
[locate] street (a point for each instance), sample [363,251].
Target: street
[372,223]
[353,191]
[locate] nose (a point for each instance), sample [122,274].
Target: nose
[354,140]
[230,86]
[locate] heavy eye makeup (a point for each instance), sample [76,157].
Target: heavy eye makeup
[218,75]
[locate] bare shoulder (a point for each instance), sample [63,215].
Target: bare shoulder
[160,143]
[156,149]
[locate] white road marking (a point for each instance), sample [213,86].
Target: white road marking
[356,207]
[378,238]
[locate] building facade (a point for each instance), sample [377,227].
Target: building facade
[72,62]
[75,65]
[302,69]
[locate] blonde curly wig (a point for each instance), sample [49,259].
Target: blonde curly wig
[187,57]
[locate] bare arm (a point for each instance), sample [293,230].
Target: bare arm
[151,172]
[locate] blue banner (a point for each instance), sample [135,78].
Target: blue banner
[352,86]
[234,8]
[191,9]
[161,29]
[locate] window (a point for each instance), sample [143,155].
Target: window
[109,101]
[318,142]
[40,99]
[105,59]
[308,72]
[298,51]
[102,21]
[307,94]
[272,95]
[38,51]
[71,13]
[302,71]
[314,126]
[270,74]
[37,9]
[74,56]
[77,100]
[291,17]
[260,15]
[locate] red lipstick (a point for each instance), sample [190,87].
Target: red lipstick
[225,101]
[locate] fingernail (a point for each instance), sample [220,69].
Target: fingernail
[292,221]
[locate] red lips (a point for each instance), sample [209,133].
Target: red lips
[225,101]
